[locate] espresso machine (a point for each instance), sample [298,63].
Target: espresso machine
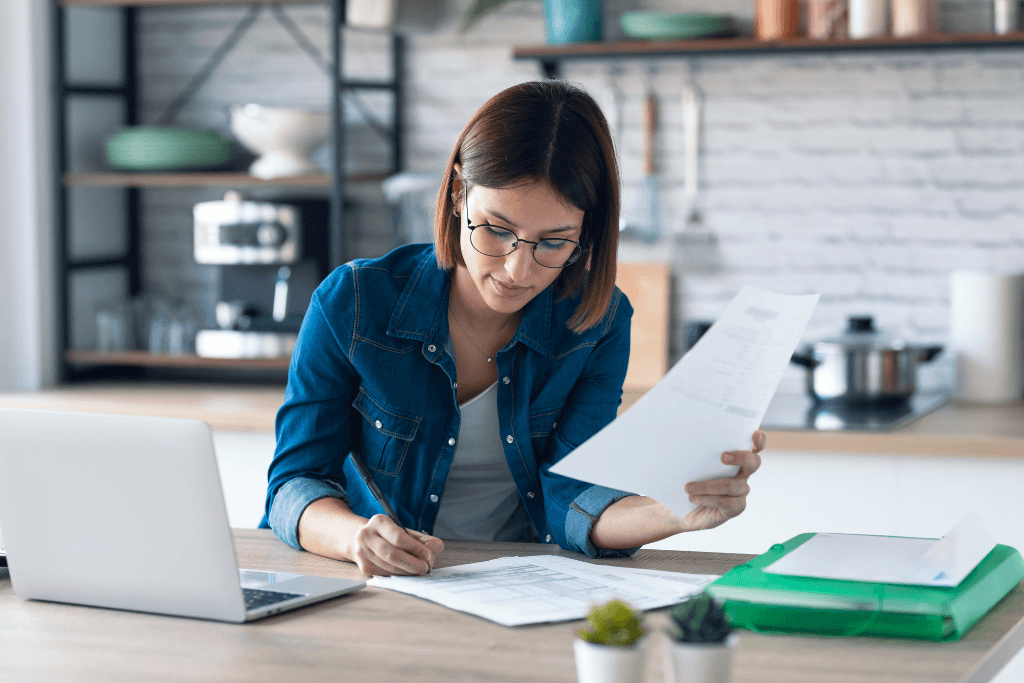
[270,258]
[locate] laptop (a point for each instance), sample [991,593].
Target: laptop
[127,512]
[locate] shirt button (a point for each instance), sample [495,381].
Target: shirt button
[509,438]
[554,425]
[451,442]
[455,385]
[547,539]
[505,380]
[433,497]
[378,424]
[530,494]
[431,348]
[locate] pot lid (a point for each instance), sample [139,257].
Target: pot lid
[861,334]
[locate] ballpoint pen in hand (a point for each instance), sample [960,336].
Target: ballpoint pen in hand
[378,495]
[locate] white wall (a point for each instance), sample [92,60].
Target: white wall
[26,281]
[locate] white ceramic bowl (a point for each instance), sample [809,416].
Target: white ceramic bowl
[284,137]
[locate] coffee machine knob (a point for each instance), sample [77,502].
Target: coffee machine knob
[270,234]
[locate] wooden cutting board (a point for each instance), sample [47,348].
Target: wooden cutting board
[647,285]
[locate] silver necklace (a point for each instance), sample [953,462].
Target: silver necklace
[466,334]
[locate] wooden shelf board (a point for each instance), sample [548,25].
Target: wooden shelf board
[646,48]
[163,3]
[210,179]
[143,359]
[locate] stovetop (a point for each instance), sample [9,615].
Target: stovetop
[800,411]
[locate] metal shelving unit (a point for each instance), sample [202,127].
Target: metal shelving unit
[78,364]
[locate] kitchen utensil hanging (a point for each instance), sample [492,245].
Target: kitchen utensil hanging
[644,218]
[618,111]
[696,246]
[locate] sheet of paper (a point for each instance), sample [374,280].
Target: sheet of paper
[513,591]
[889,559]
[710,402]
[697,581]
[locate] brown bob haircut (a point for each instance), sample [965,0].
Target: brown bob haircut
[551,132]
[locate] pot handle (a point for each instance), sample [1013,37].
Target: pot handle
[805,359]
[927,353]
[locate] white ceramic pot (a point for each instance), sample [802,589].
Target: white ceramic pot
[699,662]
[283,137]
[610,663]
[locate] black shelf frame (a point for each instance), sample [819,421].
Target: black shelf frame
[340,245]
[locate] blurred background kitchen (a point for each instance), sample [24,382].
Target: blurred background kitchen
[169,176]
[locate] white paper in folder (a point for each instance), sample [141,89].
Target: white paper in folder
[710,402]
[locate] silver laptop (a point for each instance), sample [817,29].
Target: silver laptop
[127,512]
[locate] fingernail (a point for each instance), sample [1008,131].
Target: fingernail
[728,459]
[689,488]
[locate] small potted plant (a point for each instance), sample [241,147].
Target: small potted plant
[613,649]
[701,643]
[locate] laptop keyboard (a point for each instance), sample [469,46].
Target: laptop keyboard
[255,598]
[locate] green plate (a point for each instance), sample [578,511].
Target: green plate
[668,26]
[154,148]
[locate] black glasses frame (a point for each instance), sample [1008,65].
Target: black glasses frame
[573,258]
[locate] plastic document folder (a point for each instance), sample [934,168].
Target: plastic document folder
[762,601]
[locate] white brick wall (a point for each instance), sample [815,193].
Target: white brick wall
[865,177]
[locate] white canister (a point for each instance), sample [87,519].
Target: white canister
[868,18]
[1006,15]
[597,663]
[987,335]
[699,662]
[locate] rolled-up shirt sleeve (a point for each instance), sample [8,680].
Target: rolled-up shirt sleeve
[313,438]
[583,512]
[291,501]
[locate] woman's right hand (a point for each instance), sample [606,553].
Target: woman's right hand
[382,548]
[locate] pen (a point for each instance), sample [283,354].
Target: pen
[378,495]
[372,485]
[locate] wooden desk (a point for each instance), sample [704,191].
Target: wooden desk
[375,635]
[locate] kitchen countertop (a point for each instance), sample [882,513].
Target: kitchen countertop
[954,430]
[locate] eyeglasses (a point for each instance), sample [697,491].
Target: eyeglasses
[491,240]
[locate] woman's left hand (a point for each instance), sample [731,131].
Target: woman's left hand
[719,500]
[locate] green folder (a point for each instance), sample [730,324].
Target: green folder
[778,603]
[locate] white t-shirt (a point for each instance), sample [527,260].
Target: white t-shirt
[480,501]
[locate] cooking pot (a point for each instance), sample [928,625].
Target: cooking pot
[863,365]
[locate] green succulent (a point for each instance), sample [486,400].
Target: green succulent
[613,623]
[700,620]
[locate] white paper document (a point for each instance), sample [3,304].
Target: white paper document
[710,402]
[890,559]
[514,591]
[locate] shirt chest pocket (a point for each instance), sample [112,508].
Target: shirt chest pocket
[543,421]
[387,433]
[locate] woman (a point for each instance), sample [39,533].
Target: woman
[461,371]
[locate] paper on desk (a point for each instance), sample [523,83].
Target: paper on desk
[890,559]
[710,402]
[513,591]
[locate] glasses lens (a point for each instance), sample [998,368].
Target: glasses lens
[556,253]
[492,241]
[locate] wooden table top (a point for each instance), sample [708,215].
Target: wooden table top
[381,636]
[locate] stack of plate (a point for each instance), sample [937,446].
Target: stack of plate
[154,148]
[668,26]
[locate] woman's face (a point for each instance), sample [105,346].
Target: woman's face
[505,284]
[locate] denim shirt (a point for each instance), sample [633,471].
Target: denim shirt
[369,374]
